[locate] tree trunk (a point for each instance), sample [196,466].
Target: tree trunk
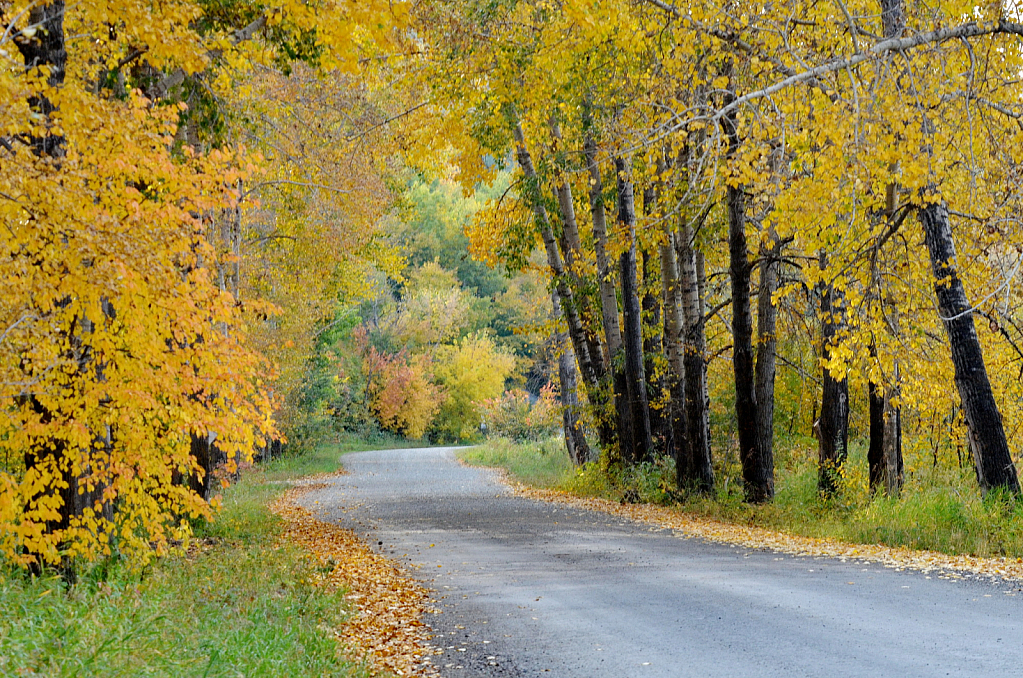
[576,331]
[573,247]
[833,438]
[757,471]
[575,436]
[698,472]
[608,294]
[875,450]
[634,372]
[884,454]
[892,452]
[767,346]
[995,469]
[652,345]
[673,332]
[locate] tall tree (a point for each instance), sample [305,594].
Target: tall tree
[635,376]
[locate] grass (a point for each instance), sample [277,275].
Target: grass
[940,508]
[242,606]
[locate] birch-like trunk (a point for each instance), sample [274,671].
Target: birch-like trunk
[698,472]
[608,293]
[576,330]
[575,435]
[672,302]
[572,248]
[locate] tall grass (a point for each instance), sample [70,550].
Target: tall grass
[940,508]
[241,604]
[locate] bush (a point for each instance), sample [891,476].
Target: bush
[516,416]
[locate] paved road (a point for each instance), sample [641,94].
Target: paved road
[536,589]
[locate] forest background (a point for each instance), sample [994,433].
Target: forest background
[715,249]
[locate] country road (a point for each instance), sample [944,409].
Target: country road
[528,588]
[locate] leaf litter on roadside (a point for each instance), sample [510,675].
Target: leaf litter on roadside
[688,525]
[387,604]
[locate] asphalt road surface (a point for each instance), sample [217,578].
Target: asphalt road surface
[528,588]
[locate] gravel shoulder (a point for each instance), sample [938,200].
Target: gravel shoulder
[527,586]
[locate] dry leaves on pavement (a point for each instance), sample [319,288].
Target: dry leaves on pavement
[388,605]
[688,525]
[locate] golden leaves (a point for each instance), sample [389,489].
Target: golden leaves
[387,603]
[687,525]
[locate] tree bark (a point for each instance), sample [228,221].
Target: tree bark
[875,449]
[995,468]
[608,295]
[673,332]
[767,346]
[698,471]
[575,436]
[573,247]
[633,336]
[757,471]
[833,438]
[884,453]
[892,449]
[652,345]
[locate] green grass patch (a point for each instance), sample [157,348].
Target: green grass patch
[940,508]
[241,606]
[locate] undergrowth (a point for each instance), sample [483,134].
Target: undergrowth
[239,604]
[940,508]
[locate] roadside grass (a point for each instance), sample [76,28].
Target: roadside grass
[239,604]
[940,508]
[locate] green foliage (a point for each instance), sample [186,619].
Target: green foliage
[240,605]
[435,231]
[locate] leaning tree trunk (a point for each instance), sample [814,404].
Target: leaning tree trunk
[767,349]
[995,468]
[833,428]
[634,369]
[698,472]
[576,331]
[573,246]
[757,469]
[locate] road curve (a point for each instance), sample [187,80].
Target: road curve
[528,588]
